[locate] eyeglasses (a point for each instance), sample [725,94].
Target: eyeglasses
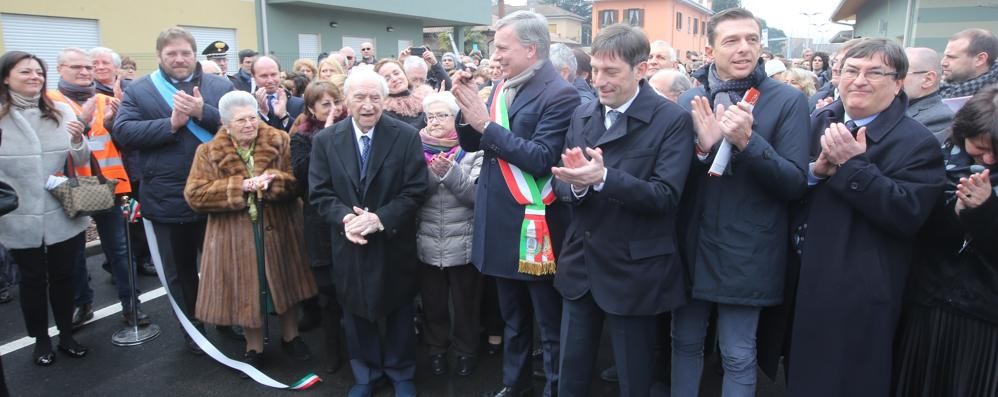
[349,57]
[77,68]
[869,75]
[246,120]
[922,72]
[438,116]
[365,49]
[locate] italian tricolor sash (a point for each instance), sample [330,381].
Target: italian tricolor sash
[536,253]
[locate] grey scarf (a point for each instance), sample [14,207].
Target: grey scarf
[513,84]
[76,92]
[24,102]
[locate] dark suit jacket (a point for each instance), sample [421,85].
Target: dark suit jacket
[240,84]
[861,227]
[374,279]
[294,108]
[933,114]
[621,242]
[538,119]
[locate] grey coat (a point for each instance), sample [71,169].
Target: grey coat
[33,149]
[933,114]
[446,220]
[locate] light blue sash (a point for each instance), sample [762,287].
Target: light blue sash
[167,90]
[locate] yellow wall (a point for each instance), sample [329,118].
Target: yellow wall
[131,27]
[567,28]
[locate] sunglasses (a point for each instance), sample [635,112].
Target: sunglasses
[365,49]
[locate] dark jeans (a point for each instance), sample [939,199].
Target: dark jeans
[440,288]
[47,279]
[179,246]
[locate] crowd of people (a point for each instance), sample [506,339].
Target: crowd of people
[838,217]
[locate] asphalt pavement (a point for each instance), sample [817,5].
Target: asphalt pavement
[164,366]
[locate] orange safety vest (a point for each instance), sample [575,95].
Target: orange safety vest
[109,157]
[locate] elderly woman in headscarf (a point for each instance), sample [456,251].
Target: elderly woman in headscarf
[242,178]
[447,278]
[402,103]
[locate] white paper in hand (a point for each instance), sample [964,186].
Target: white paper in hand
[723,155]
[54,181]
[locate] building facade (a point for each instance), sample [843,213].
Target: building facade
[922,23]
[682,23]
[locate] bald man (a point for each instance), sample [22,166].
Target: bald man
[925,105]
[670,83]
[350,56]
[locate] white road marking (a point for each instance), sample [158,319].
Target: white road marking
[26,341]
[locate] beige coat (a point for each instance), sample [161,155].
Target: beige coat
[229,291]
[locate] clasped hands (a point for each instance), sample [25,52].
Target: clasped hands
[733,123]
[359,224]
[257,183]
[184,107]
[838,146]
[578,171]
[973,191]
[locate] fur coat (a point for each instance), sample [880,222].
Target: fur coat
[229,290]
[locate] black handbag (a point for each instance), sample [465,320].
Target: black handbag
[8,199]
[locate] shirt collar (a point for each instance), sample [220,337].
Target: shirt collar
[860,122]
[357,132]
[622,108]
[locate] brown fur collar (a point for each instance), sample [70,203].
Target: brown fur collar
[222,151]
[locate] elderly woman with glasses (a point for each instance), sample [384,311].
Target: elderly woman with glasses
[243,179]
[447,278]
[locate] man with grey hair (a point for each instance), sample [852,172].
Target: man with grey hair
[518,230]
[106,64]
[563,60]
[210,67]
[368,179]
[925,105]
[662,56]
[670,83]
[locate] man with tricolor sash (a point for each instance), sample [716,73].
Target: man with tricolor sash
[624,168]
[165,116]
[518,224]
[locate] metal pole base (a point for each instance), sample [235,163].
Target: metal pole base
[134,336]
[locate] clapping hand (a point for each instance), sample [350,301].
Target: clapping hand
[736,124]
[838,144]
[473,110]
[706,122]
[440,163]
[578,171]
[191,105]
[75,129]
[973,191]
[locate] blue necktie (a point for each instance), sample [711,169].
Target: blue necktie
[612,115]
[365,152]
[271,98]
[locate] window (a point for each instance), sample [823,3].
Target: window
[635,17]
[703,28]
[679,21]
[308,45]
[607,17]
[689,21]
[696,25]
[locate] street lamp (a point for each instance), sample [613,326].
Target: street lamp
[808,15]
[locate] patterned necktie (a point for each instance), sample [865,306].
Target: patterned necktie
[852,127]
[271,98]
[612,115]
[365,152]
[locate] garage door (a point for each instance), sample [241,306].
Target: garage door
[47,36]
[309,46]
[204,36]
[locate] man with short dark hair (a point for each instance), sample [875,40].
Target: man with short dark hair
[735,216]
[625,164]
[583,69]
[519,226]
[243,79]
[368,179]
[925,105]
[166,115]
[873,184]
[969,63]
[277,107]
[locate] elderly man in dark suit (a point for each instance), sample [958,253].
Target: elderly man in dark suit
[736,221]
[925,105]
[874,182]
[619,261]
[278,108]
[165,116]
[368,179]
[518,224]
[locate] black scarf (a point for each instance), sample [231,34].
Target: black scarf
[77,93]
[735,89]
[103,89]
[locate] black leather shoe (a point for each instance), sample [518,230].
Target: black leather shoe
[43,353]
[146,268]
[438,363]
[193,347]
[140,317]
[72,348]
[465,365]
[297,349]
[510,391]
[6,295]
[609,374]
[82,314]
[231,332]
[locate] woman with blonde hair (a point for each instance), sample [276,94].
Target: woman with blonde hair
[306,67]
[801,79]
[329,68]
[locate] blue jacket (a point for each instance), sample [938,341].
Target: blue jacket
[736,231]
[621,243]
[143,124]
[538,117]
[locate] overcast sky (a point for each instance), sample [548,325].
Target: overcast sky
[786,15]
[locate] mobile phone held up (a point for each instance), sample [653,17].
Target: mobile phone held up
[417,51]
